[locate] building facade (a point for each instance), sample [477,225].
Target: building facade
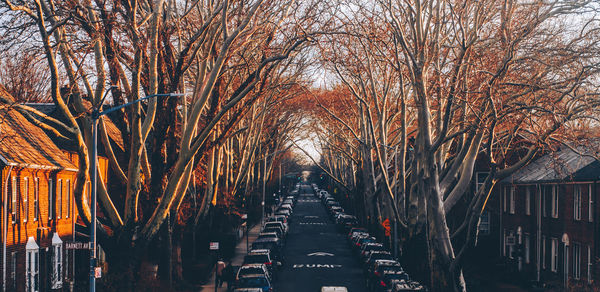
[548,219]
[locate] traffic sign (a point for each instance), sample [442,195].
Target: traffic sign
[77,245]
[98,272]
[244,216]
[214,246]
[386,227]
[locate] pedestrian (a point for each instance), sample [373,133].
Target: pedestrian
[220,267]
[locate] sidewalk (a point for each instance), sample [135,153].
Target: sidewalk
[238,258]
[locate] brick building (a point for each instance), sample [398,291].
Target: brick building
[38,213]
[547,219]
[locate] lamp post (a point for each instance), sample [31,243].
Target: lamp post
[96,114]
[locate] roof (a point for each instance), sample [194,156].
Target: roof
[111,129]
[23,144]
[561,165]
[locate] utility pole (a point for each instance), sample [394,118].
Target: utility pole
[97,113]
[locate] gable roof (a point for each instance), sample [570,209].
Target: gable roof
[23,144]
[112,130]
[561,165]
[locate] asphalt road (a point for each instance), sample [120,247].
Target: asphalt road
[316,253]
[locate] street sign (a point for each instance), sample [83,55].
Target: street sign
[77,245]
[214,246]
[386,227]
[244,216]
[97,272]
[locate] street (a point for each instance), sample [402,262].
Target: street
[316,253]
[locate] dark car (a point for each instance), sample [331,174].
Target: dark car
[367,248]
[276,224]
[260,257]
[347,222]
[380,268]
[284,212]
[404,286]
[278,230]
[374,256]
[254,281]
[252,269]
[272,244]
[362,241]
[383,283]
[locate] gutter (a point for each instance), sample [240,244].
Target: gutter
[5,227]
[35,166]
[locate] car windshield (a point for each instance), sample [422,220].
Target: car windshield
[257,258]
[389,275]
[251,270]
[253,282]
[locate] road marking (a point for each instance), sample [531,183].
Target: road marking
[312,223]
[311,216]
[316,266]
[320,253]
[308,201]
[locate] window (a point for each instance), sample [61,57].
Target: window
[554,202]
[511,244]
[68,198]
[528,200]
[576,202]
[480,179]
[57,260]
[546,190]
[13,207]
[526,247]
[591,204]
[484,223]
[505,197]
[59,190]
[589,264]
[554,255]
[36,198]
[50,198]
[544,252]
[504,246]
[512,200]
[576,261]
[13,269]
[32,266]
[25,196]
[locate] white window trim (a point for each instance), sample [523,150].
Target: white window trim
[14,206]
[68,198]
[544,252]
[36,198]
[528,200]
[512,199]
[576,202]
[576,261]
[544,203]
[554,255]
[59,203]
[25,195]
[527,243]
[13,270]
[477,175]
[32,266]
[511,248]
[504,242]
[589,264]
[554,201]
[57,262]
[50,198]
[505,198]
[590,204]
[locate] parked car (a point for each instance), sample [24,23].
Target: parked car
[374,256]
[276,224]
[404,286]
[367,248]
[251,269]
[274,245]
[247,290]
[383,283]
[347,222]
[268,235]
[260,256]
[282,219]
[254,281]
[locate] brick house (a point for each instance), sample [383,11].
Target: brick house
[547,219]
[37,205]
[38,213]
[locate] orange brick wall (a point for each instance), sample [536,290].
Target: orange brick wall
[25,225]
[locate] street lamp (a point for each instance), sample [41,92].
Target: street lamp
[96,114]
